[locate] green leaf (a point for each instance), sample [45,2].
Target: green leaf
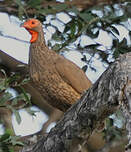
[18,2]
[9,131]
[13,78]
[34,3]
[20,12]
[79,25]
[56,47]
[84,68]
[116,53]
[96,34]
[16,113]
[109,122]
[73,9]
[20,8]
[11,150]
[17,116]
[31,112]
[45,11]
[5,97]
[128,9]
[4,137]
[114,29]
[20,97]
[84,16]
[92,34]
[115,19]
[27,96]
[15,141]
[92,46]
[3,71]
[87,17]
[123,42]
[3,85]
[24,81]
[115,43]
[73,30]
[60,7]
[56,37]
[84,58]
[67,28]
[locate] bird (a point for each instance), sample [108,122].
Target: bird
[60,81]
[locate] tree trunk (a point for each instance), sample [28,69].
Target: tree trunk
[110,92]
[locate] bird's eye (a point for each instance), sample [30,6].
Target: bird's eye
[32,22]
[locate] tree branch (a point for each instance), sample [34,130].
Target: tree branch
[12,8]
[12,65]
[105,96]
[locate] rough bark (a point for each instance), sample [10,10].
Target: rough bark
[105,96]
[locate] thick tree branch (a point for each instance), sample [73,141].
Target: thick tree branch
[12,64]
[106,95]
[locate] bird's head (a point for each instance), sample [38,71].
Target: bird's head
[33,26]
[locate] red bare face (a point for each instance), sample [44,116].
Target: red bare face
[30,26]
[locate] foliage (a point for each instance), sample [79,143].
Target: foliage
[82,22]
[6,141]
[86,21]
[114,127]
[13,82]
[13,103]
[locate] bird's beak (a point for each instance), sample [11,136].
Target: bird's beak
[25,25]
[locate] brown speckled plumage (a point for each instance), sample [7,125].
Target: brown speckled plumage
[58,80]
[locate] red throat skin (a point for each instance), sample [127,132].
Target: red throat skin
[34,35]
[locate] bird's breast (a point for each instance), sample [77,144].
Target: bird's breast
[56,91]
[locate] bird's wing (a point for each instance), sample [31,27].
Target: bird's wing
[72,74]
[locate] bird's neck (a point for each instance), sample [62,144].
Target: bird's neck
[40,39]
[39,53]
